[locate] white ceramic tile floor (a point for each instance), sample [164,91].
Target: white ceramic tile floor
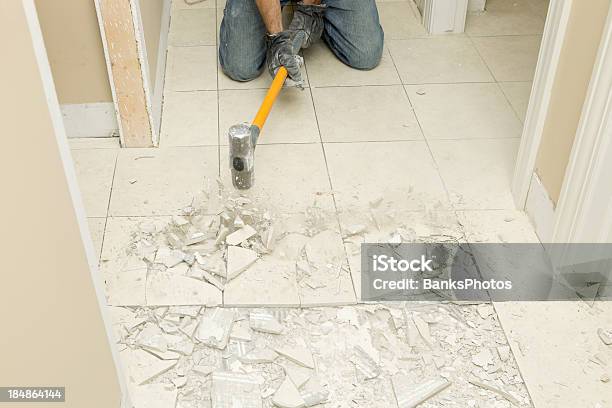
[518,94]
[96,229]
[511,58]
[504,17]
[161,181]
[189,119]
[191,69]
[477,173]
[367,113]
[444,59]
[403,173]
[95,169]
[193,27]
[399,21]
[470,111]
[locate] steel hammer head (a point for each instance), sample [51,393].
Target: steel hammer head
[242,142]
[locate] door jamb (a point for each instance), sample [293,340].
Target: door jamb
[548,61]
[584,212]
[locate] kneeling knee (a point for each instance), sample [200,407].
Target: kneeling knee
[368,55]
[239,71]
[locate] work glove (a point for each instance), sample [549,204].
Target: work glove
[282,52]
[308,19]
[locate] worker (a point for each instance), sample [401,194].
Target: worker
[252,35]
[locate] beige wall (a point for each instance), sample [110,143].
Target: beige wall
[151,11]
[74,47]
[52,332]
[587,20]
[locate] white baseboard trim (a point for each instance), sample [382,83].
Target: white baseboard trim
[90,120]
[540,209]
[476,6]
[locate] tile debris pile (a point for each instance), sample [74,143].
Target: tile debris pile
[228,258]
[404,355]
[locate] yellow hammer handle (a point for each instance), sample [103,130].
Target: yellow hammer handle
[268,102]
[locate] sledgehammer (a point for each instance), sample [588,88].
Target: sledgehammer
[243,137]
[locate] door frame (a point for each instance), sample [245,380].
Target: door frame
[584,211]
[539,101]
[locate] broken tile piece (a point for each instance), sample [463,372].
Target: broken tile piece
[313,393]
[257,356]
[231,389]
[496,390]
[504,352]
[214,328]
[265,323]
[288,396]
[238,260]
[365,365]
[241,235]
[605,335]
[423,328]
[143,366]
[409,395]
[153,396]
[298,354]
[164,288]
[152,338]
[299,375]
[483,358]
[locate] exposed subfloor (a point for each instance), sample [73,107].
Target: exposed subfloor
[421,147]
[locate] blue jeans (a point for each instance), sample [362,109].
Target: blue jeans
[352,31]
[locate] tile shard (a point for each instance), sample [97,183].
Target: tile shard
[265,323]
[409,395]
[365,365]
[232,389]
[298,354]
[605,335]
[143,366]
[238,260]
[241,235]
[499,391]
[215,327]
[288,396]
[314,393]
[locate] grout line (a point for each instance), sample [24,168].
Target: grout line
[110,196]
[217,91]
[416,116]
[333,195]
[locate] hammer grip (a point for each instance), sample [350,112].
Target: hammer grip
[268,102]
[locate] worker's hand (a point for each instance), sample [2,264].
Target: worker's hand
[281,52]
[308,19]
